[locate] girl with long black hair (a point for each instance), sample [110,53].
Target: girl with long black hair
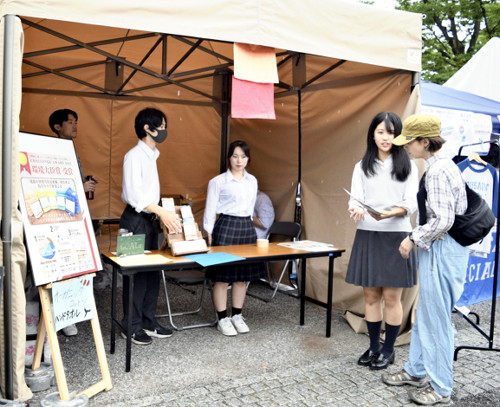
[387,180]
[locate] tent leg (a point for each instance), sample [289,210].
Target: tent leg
[6,227]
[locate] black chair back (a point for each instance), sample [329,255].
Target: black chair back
[290,230]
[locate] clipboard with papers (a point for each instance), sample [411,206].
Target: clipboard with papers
[369,208]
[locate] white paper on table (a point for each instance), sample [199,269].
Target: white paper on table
[308,245]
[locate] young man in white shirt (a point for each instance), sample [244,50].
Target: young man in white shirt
[141,193]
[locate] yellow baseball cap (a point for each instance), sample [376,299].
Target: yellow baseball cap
[418,125]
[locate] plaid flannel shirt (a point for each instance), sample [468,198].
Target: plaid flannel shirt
[445,197]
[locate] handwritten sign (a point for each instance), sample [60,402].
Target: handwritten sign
[128,245]
[73,301]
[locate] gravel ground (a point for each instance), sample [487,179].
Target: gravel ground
[279,363]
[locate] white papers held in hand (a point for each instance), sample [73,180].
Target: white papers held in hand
[369,208]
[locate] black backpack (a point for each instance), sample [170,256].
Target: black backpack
[469,228]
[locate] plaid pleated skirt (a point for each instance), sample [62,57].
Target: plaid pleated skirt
[376,262]
[233,230]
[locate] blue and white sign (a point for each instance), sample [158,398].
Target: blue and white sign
[479,279]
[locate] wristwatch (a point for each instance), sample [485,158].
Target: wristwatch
[410,236]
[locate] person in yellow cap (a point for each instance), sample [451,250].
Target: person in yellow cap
[442,264]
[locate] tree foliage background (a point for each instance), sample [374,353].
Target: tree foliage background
[452,32]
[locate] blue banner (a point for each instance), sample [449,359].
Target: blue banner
[479,279]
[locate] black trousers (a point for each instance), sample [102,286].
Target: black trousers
[146,285]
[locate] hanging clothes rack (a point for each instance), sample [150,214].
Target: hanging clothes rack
[491,334]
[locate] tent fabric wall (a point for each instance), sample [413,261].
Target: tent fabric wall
[186,167]
[18,254]
[188,158]
[375,70]
[336,114]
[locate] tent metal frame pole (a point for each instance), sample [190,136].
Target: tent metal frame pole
[66,68]
[204,49]
[6,226]
[298,197]
[225,102]
[93,44]
[321,74]
[415,80]
[144,59]
[495,280]
[184,57]
[107,55]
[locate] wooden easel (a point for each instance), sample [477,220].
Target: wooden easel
[47,325]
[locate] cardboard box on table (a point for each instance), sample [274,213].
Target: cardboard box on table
[189,241]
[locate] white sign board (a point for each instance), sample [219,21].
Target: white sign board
[59,233]
[460,128]
[73,301]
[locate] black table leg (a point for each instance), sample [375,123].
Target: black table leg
[129,322]
[303,292]
[330,295]
[113,310]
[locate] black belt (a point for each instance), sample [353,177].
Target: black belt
[145,215]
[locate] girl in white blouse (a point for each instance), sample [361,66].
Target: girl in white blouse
[228,221]
[386,180]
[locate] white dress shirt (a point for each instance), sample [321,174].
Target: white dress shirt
[141,184]
[229,196]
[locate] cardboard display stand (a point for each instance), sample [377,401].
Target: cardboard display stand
[190,240]
[179,246]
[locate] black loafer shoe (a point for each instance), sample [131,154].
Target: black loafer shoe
[367,358]
[381,362]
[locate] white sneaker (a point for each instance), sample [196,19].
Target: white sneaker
[70,330]
[226,327]
[239,323]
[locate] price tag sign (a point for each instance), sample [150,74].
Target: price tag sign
[129,245]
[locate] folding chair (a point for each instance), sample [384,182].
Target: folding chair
[281,231]
[185,278]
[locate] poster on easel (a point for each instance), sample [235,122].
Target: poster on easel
[61,243]
[57,223]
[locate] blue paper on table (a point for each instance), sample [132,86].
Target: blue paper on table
[210,259]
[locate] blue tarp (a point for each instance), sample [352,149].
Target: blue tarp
[436,95]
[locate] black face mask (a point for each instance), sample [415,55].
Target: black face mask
[160,138]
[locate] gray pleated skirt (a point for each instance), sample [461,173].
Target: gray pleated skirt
[376,262]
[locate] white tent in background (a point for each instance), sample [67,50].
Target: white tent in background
[480,76]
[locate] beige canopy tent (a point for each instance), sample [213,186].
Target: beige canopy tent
[339,64]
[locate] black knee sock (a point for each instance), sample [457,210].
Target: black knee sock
[391,333]
[374,332]
[222,314]
[236,311]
